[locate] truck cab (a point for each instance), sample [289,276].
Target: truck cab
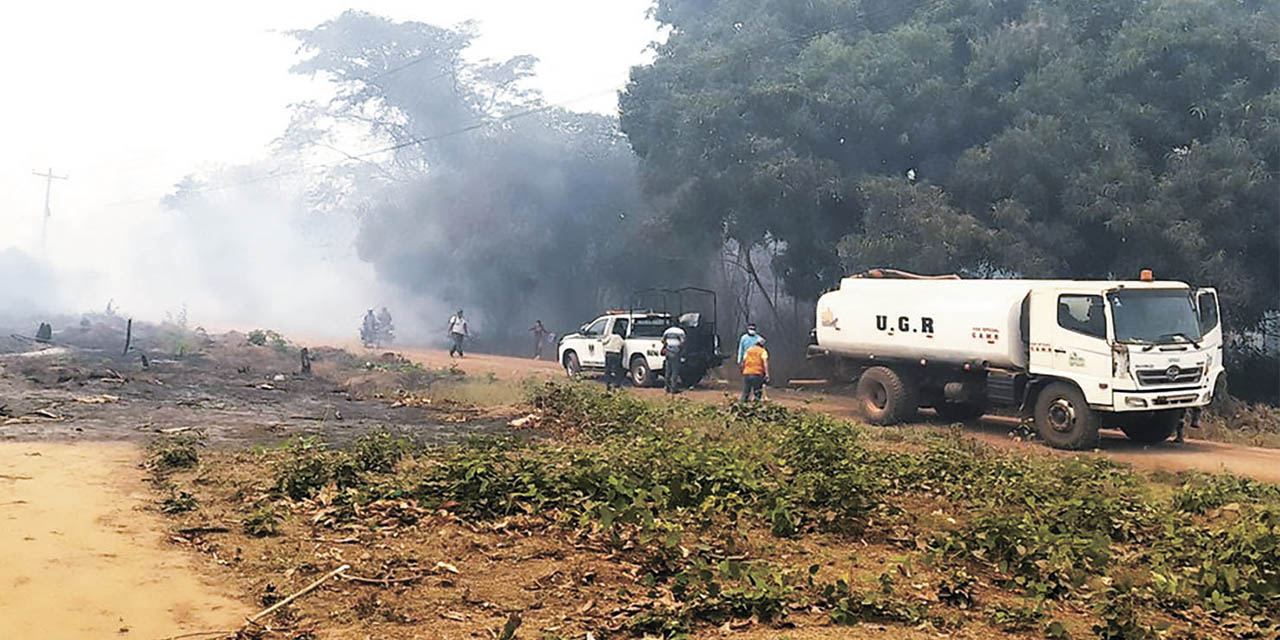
[641,330]
[1138,353]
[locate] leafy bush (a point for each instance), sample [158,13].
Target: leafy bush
[303,470]
[1203,492]
[177,451]
[262,522]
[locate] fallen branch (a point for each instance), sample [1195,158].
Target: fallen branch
[383,580]
[193,634]
[253,619]
[195,531]
[4,476]
[351,540]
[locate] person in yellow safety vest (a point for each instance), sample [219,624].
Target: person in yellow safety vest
[755,371]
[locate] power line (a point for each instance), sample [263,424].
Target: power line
[49,177]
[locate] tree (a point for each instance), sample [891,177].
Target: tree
[1047,137]
[493,200]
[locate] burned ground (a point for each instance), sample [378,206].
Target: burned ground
[236,393]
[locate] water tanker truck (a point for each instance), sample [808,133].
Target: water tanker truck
[1071,356]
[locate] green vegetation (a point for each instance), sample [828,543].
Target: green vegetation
[262,522]
[177,451]
[695,495]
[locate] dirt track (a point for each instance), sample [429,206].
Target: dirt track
[81,561]
[1194,455]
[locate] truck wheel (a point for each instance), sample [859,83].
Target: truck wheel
[1152,428]
[641,374]
[885,397]
[1064,419]
[959,411]
[572,367]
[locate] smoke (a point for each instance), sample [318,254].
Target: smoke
[492,201]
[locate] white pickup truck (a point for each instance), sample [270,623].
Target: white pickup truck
[641,333]
[1071,355]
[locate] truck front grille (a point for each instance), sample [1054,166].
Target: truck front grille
[1171,375]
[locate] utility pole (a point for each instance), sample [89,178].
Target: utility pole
[48,186]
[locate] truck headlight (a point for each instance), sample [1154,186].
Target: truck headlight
[1135,402]
[1120,361]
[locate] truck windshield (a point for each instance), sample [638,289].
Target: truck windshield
[1154,316]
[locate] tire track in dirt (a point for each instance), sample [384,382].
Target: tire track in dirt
[79,558]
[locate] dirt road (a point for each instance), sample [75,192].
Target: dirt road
[80,560]
[1194,455]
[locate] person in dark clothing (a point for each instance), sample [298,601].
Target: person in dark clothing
[540,334]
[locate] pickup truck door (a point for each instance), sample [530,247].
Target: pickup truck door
[592,356]
[1210,330]
[1069,340]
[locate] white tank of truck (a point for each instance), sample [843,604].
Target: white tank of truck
[1071,355]
[942,320]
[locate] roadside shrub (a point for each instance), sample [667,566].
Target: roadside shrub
[379,451]
[177,451]
[1203,492]
[303,470]
[1015,618]
[262,522]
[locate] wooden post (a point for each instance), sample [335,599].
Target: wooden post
[128,336]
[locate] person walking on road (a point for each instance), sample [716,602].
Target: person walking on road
[748,340]
[457,331]
[755,372]
[539,339]
[612,345]
[672,348]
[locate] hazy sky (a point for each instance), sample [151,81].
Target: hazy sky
[128,96]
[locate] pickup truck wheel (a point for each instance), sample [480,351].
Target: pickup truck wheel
[572,367]
[1064,419]
[959,411]
[885,397]
[1152,428]
[641,374]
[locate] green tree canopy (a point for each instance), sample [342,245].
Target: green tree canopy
[1056,138]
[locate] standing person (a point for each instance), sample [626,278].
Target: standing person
[672,347]
[755,371]
[612,345]
[457,331]
[369,329]
[385,330]
[748,340]
[539,339]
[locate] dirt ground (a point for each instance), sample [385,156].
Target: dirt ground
[81,536]
[80,560]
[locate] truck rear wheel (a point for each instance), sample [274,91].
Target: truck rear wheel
[1064,419]
[1152,428]
[885,397]
[641,374]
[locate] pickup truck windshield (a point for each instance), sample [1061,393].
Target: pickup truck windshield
[1154,316]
